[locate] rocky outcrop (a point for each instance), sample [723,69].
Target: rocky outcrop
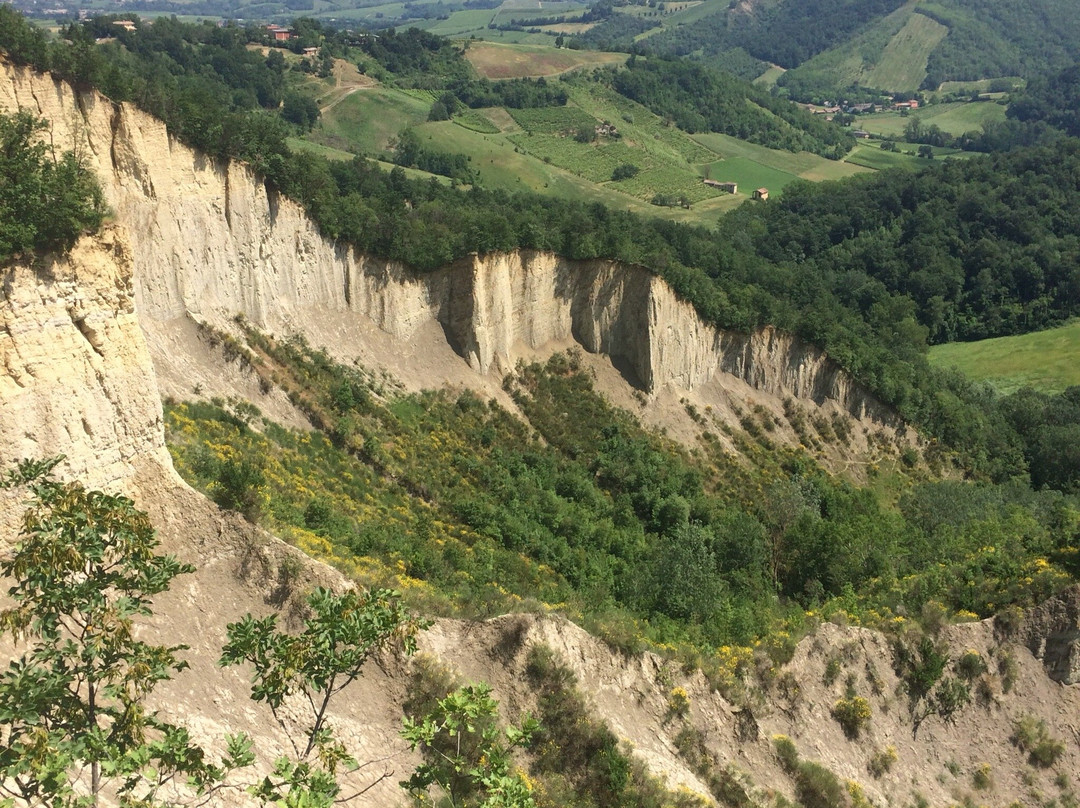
[1051,631]
[209,241]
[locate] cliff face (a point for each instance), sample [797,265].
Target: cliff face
[208,242]
[75,375]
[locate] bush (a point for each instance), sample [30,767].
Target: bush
[853,715]
[970,665]
[1032,736]
[881,762]
[625,171]
[817,787]
[786,752]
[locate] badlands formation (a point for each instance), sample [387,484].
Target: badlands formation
[89,347]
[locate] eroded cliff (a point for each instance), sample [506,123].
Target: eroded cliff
[209,241]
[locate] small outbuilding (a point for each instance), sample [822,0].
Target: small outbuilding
[762,194]
[730,187]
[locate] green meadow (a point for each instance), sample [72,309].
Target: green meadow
[1046,360]
[955,118]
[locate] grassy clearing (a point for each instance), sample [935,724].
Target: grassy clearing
[955,118]
[770,76]
[871,155]
[502,61]
[755,166]
[476,120]
[368,120]
[902,66]
[980,86]
[330,153]
[1046,360]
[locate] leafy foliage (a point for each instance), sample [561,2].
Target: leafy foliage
[468,758]
[46,202]
[76,729]
[340,634]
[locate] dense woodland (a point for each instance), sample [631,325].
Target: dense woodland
[1053,100]
[872,269]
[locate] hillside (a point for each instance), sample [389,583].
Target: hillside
[834,47]
[91,344]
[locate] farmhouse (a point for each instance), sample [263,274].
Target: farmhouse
[762,194]
[310,51]
[860,133]
[280,34]
[127,25]
[730,187]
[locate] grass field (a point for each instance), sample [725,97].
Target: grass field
[955,118]
[871,155]
[1046,360]
[758,167]
[770,76]
[902,66]
[368,120]
[980,86]
[500,61]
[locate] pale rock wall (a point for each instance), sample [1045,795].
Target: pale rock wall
[75,375]
[209,241]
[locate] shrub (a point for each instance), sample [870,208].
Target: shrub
[786,752]
[624,171]
[817,787]
[832,670]
[678,702]
[853,715]
[1032,736]
[981,778]
[881,762]
[970,665]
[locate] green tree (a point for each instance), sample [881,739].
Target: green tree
[342,631]
[468,759]
[46,202]
[74,726]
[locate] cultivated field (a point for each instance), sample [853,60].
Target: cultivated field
[902,66]
[1045,360]
[955,118]
[871,155]
[500,61]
